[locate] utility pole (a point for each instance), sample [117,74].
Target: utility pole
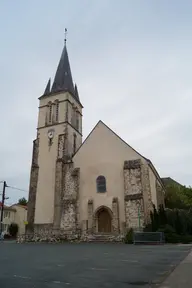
[2,206]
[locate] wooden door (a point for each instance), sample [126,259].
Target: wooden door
[104,221]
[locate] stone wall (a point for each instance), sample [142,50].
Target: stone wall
[43,229]
[59,238]
[146,188]
[133,194]
[70,201]
[33,187]
[59,175]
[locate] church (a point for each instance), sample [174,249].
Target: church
[101,186]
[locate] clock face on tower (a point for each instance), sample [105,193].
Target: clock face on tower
[50,134]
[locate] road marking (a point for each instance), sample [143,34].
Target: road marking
[23,277]
[131,261]
[99,269]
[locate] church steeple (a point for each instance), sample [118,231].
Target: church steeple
[48,87]
[63,81]
[58,138]
[63,78]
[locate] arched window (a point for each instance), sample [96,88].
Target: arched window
[74,143]
[73,115]
[49,112]
[56,110]
[77,120]
[101,184]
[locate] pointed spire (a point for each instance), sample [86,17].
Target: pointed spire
[76,92]
[63,78]
[65,40]
[48,87]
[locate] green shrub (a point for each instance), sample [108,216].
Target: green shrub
[148,228]
[172,238]
[186,239]
[129,236]
[167,229]
[13,229]
[175,238]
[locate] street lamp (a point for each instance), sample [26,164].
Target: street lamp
[139,213]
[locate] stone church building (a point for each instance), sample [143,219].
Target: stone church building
[99,186]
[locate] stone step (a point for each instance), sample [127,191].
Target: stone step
[102,238]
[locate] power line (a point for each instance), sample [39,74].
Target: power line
[16,188]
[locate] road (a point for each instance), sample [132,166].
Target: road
[86,265]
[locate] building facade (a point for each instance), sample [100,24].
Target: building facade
[14,214]
[81,189]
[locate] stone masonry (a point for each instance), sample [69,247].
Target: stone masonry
[33,187]
[70,201]
[59,171]
[134,202]
[66,224]
[146,188]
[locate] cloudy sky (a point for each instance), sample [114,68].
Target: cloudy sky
[132,62]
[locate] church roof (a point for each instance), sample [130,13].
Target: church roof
[48,87]
[146,159]
[63,78]
[168,181]
[63,81]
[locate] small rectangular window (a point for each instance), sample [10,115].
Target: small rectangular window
[50,113]
[77,121]
[74,143]
[57,112]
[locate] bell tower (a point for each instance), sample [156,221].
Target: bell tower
[59,135]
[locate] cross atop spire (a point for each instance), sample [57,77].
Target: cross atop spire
[65,36]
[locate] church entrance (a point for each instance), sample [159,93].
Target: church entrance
[104,221]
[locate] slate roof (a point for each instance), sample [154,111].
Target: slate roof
[63,81]
[48,87]
[168,180]
[63,78]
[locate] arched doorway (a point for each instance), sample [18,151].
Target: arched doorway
[104,220]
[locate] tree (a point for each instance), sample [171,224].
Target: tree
[178,224]
[162,216]
[13,229]
[179,197]
[22,201]
[154,219]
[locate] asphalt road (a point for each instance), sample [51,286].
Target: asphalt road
[86,265]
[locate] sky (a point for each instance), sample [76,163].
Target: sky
[132,62]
